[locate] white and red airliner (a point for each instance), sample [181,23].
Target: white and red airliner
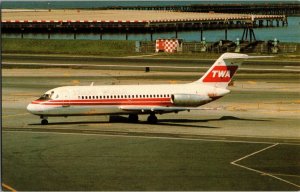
[139,99]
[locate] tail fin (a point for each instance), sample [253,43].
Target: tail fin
[223,70]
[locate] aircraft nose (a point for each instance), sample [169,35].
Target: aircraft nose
[34,108]
[30,107]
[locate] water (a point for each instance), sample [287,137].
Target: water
[288,33]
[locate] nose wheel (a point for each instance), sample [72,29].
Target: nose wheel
[44,120]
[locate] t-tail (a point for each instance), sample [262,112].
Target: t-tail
[222,71]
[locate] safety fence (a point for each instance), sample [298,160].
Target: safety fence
[226,46]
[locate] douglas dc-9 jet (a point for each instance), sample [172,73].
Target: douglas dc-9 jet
[133,100]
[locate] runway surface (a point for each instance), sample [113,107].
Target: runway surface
[249,140]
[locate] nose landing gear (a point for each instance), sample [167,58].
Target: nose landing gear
[44,120]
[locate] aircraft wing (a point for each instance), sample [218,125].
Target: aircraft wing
[160,109]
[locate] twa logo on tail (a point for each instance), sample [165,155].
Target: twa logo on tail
[220,74]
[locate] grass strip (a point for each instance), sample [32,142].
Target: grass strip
[108,48]
[74,47]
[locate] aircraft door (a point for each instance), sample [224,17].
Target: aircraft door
[66,99]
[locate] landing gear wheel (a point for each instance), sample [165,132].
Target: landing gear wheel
[133,118]
[152,119]
[44,122]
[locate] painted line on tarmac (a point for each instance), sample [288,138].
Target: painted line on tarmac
[206,137]
[143,136]
[258,171]
[292,67]
[137,56]
[95,65]
[21,114]
[8,187]
[254,153]
[140,66]
[286,175]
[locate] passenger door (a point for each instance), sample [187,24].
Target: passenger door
[66,99]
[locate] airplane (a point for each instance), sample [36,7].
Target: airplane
[133,100]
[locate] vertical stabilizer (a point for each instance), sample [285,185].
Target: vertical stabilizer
[223,70]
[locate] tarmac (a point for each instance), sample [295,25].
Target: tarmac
[248,140]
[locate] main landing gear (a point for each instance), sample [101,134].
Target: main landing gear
[44,120]
[133,118]
[152,118]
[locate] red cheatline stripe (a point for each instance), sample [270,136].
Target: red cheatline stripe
[112,100]
[153,101]
[125,103]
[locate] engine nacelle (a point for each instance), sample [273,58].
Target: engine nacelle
[189,100]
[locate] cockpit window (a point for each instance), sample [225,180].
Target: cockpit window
[45,97]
